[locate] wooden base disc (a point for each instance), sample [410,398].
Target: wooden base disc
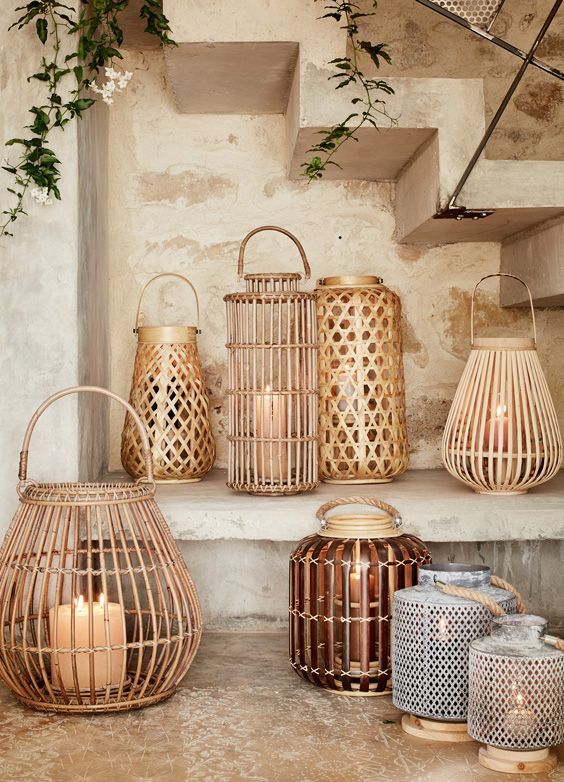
[435,730]
[358,694]
[358,481]
[164,481]
[500,493]
[512,761]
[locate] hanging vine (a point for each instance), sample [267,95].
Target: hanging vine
[70,83]
[369,108]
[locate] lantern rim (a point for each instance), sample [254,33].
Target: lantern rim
[351,281]
[504,343]
[74,493]
[167,334]
[360,525]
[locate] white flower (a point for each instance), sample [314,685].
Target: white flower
[111,73]
[124,79]
[116,79]
[41,195]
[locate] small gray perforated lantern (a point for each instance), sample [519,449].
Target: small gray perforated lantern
[431,636]
[516,696]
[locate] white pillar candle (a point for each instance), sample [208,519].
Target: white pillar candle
[60,628]
[271,423]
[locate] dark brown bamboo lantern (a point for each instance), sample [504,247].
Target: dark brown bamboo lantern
[342,581]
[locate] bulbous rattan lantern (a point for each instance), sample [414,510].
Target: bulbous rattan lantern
[342,580]
[362,420]
[272,381]
[98,612]
[168,391]
[502,433]
[433,625]
[516,697]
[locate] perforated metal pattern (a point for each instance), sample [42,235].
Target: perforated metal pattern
[516,702]
[431,638]
[478,12]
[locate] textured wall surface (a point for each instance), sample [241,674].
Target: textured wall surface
[184,191]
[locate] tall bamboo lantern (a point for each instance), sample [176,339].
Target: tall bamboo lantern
[502,433]
[272,385]
[342,581]
[98,612]
[168,391]
[362,421]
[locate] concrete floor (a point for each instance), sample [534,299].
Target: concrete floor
[241,714]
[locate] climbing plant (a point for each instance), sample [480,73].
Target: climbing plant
[369,106]
[81,45]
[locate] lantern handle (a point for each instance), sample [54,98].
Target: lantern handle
[24,453]
[167,274]
[553,640]
[502,274]
[291,236]
[389,509]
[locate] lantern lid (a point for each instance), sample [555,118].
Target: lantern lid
[359,525]
[471,576]
[350,281]
[518,635]
[167,334]
[503,343]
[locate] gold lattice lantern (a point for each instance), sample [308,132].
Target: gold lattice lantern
[362,421]
[502,433]
[168,391]
[98,612]
[272,381]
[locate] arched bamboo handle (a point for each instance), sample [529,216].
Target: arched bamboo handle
[471,594]
[158,276]
[389,509]
[502,274]
[24,453]
[291,236]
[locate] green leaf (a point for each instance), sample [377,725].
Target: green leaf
[42,29]
[84,103]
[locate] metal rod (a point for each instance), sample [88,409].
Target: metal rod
[492,38]
[503,105]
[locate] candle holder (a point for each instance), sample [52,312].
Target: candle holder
[516,697]
[433,625]
[502,434]
[272,385]
[98,612]
[342,580]
[168,391]
[362,421]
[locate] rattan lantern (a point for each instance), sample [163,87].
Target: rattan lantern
[433,625]
[516,704]
[362,421]
[168,391]
[272,393]
[342,580]
[98,612]
[502,433]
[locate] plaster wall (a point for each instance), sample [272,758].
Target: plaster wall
[184,191]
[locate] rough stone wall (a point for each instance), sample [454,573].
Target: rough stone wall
[424,44]
[184,191]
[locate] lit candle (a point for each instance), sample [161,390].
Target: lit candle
[270,423]
[355,586]
[442,630]
[60,627]
[519,717]
[502,420]
[345,392]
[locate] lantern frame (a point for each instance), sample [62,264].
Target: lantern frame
[98,612]
[502,434]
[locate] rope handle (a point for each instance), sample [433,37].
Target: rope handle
[375,503]
[24,453]
[480,597]
[553,640]
[502,274]
[291,236]
[167,274]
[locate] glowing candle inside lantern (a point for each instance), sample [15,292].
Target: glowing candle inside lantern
[355,591]
[89,632]
[500,421]
[271,424]
[442,630]
[345,391]
[519,718]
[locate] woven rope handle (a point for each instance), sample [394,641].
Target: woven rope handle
[151,281]
[375,503]
[296,241]
[24,453]
[501,584]
[471,594]
[553,640]
[502,274]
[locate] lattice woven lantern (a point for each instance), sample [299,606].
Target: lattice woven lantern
[98,612]
[168,391]
[272,393]
[431,635]
[362,421]
[342,580]
[516,696]
[502,433]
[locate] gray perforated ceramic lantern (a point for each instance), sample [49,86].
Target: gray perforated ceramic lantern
[431,637]
[516,695]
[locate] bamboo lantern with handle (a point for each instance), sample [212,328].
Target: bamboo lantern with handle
[342,581]
[272,381]
[98,612]
[362,421]
[502,433]
[168,391]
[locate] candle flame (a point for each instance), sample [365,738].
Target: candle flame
[442,625]
[102,599]
[357,568]
[79,603]
[500,410]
